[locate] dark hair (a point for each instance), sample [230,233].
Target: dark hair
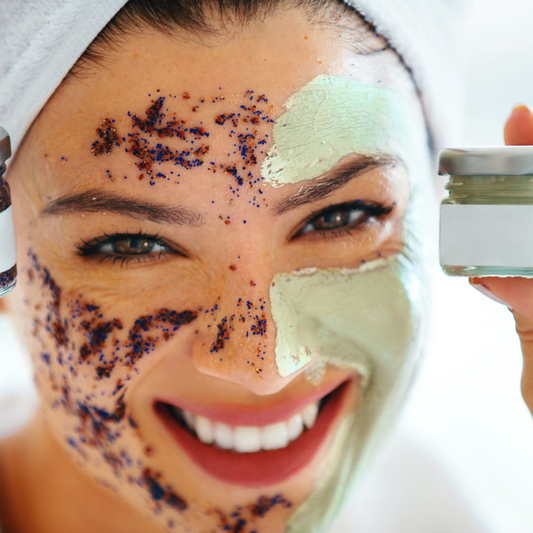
[217,17]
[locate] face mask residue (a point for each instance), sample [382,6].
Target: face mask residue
[87,365]
[366,318]
[328,119]
[145,136]
[315,318]
[369,318]
[362,318]
[98,424]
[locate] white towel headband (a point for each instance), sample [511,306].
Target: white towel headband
[42,39]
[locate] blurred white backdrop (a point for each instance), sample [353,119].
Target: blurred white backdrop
[467,407]
[465,410]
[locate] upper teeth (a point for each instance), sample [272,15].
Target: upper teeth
[246,439]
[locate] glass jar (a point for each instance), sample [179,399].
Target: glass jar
[486,222]
[8,255]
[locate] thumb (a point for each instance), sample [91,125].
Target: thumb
[518,129]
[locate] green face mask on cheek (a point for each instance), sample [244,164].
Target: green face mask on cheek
[364,318]
[367,318]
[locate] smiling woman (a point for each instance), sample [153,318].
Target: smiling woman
[222,260]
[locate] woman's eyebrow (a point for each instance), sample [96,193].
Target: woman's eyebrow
[94,201]
[335,178]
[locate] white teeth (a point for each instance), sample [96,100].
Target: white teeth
[247,439]
[309,415]
[275,436]
[224,436]
[296,426]
[189,418]
[204,430]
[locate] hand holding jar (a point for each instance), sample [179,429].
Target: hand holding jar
[516,292]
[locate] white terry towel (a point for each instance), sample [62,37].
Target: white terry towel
[40,41]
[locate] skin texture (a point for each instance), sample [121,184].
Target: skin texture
[106,339]
[517,293]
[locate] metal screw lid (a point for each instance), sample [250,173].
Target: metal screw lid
[5,146]
[486,161]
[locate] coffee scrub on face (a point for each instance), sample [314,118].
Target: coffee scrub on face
[223,253]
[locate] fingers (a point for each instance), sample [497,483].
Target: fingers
[518,129]
[516,293]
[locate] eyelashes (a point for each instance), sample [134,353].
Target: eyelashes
[340,219]
[336,221]
[125,248]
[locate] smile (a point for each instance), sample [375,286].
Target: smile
[247,439]
[255,455]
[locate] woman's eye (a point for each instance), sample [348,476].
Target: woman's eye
[341,218]
[333,220]
[125,247]
[134,245]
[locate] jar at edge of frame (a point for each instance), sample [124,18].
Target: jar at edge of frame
[486,222]
[8,255]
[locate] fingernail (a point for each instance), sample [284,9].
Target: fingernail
[483,289]
[520,107]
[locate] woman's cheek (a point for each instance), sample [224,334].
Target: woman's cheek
[85,364]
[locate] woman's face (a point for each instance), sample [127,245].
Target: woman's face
[162,260]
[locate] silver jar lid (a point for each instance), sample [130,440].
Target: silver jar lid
[5,146]
[486,161]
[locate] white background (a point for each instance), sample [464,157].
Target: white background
[466,407]
[465,410]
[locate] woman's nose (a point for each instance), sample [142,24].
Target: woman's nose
[236,336]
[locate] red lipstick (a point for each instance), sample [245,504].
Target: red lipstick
[262,468]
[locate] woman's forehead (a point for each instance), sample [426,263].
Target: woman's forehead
[277,57]
[212,105]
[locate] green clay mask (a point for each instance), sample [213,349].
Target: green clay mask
[366,318]
[346,316]
[328,119]
[370,318]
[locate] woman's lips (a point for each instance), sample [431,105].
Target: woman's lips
[261,468]
[246,415]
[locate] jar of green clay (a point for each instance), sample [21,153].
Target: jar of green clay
[486,222]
